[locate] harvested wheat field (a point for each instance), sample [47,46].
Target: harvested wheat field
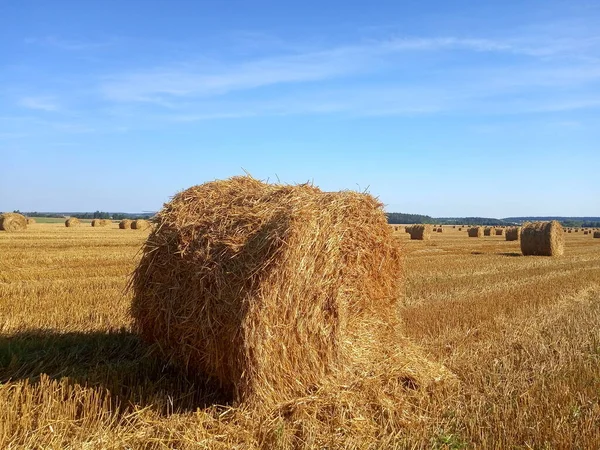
[520,334]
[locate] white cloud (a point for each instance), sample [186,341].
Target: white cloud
[169,85]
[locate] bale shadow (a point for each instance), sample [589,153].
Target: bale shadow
[118,362]
[515,254]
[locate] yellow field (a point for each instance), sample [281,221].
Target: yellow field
[522,334]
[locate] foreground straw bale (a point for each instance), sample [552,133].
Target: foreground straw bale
[276,291]
[513,233]
[542,238]
[72,222]
[596,234]
[420,232]
[12,222]
[140,224]
[475,232]
[125,224]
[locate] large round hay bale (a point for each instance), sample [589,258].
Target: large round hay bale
[488,231]
[440,230]
[475,232]
[101,222]
[13,222]
[30,221]
[125,224]
[513,233]
[420,232]
[72,222]
[140,224]
[270,289]
[542,238]
[596,234]
[499,231]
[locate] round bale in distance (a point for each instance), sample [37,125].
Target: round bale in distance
[140,224]
[101,222]
[596,234]
[125,224]
[30,221]
[13,222]
[420,232]
[72,222]
[475,232]
[542,239]
[270,289]
[513,233]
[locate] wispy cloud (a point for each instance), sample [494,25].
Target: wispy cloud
[39,103]
[163,84]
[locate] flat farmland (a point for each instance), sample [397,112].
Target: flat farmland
[521,335]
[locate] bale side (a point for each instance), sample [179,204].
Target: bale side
[596,234]
[101,222]
[140,224]
[475,232]
[72,222]
[420,232]
[270,289]
[513,233]
[12,222]
[542,239]
[125,224]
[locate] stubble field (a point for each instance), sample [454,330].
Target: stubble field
[521,334]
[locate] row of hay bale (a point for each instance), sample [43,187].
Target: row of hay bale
[139,224]
[485,231]
[537,238]
[123,224]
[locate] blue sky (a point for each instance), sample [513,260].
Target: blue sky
[447,108]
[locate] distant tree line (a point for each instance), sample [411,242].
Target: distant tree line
[91,215]
[571,222]
[565,221]
[396,218]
